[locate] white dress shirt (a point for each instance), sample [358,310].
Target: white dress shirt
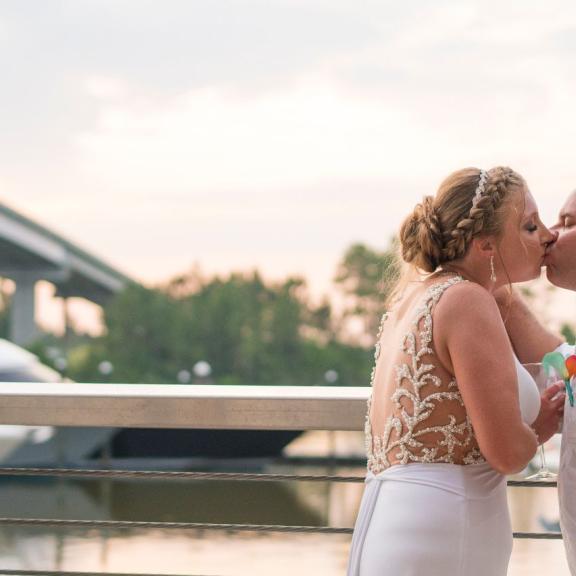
[567,476]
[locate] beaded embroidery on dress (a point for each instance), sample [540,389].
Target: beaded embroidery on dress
[420,396]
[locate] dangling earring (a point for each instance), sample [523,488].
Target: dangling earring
[492,271]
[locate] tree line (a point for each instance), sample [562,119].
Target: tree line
[248,330]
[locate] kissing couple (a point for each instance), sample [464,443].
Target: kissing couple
[453,409]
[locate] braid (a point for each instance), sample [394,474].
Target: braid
[469,202]
[432,223]
[457,241]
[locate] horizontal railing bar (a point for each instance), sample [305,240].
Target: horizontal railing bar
[184,406]
[228,476]
[118,524]
[161,475]
[537,535]
[39,522]
[122,524]
[66,573]
[533,483]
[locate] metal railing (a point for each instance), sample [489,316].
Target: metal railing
[184,406]
[189,406]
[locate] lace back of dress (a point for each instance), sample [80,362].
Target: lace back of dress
[425,418]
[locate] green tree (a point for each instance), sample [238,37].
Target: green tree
[365,276]
[5,301]
[248,330]
[568,332]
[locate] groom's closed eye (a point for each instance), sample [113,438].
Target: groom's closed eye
[565,222]
[568,221]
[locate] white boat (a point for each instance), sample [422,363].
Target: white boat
[19,365]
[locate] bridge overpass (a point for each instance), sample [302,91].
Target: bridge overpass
[30,252]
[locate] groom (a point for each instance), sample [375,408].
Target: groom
[561,271]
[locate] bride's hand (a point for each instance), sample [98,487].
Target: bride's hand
[551,410]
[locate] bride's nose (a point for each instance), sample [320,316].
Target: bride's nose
[550,237]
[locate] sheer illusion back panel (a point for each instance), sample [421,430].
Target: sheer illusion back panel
[415,410]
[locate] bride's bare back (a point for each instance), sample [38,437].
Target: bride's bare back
[415,412]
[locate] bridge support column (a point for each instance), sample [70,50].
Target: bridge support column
[22,320]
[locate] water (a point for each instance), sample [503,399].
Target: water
[216,553]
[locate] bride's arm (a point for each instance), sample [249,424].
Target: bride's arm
[531,341]
[529,337]
[472,343]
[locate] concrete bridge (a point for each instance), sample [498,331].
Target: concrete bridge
[30,252]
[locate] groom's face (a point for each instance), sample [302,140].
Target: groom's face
[561,261]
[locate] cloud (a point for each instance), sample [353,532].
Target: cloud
[105,87]
[211,139]
[260,127]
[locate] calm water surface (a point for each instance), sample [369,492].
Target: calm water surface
[211,553]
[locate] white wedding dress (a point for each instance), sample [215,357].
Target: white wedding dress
[432,506]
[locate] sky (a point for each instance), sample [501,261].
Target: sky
[272,134]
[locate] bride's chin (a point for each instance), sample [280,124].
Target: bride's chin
[528,276]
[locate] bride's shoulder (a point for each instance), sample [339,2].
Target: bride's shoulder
[466,303]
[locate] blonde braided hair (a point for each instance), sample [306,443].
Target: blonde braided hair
[441,228]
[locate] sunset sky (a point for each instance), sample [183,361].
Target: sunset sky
[272,133]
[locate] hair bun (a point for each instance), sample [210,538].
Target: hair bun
[421,238]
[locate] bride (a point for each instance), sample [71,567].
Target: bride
[452,411]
